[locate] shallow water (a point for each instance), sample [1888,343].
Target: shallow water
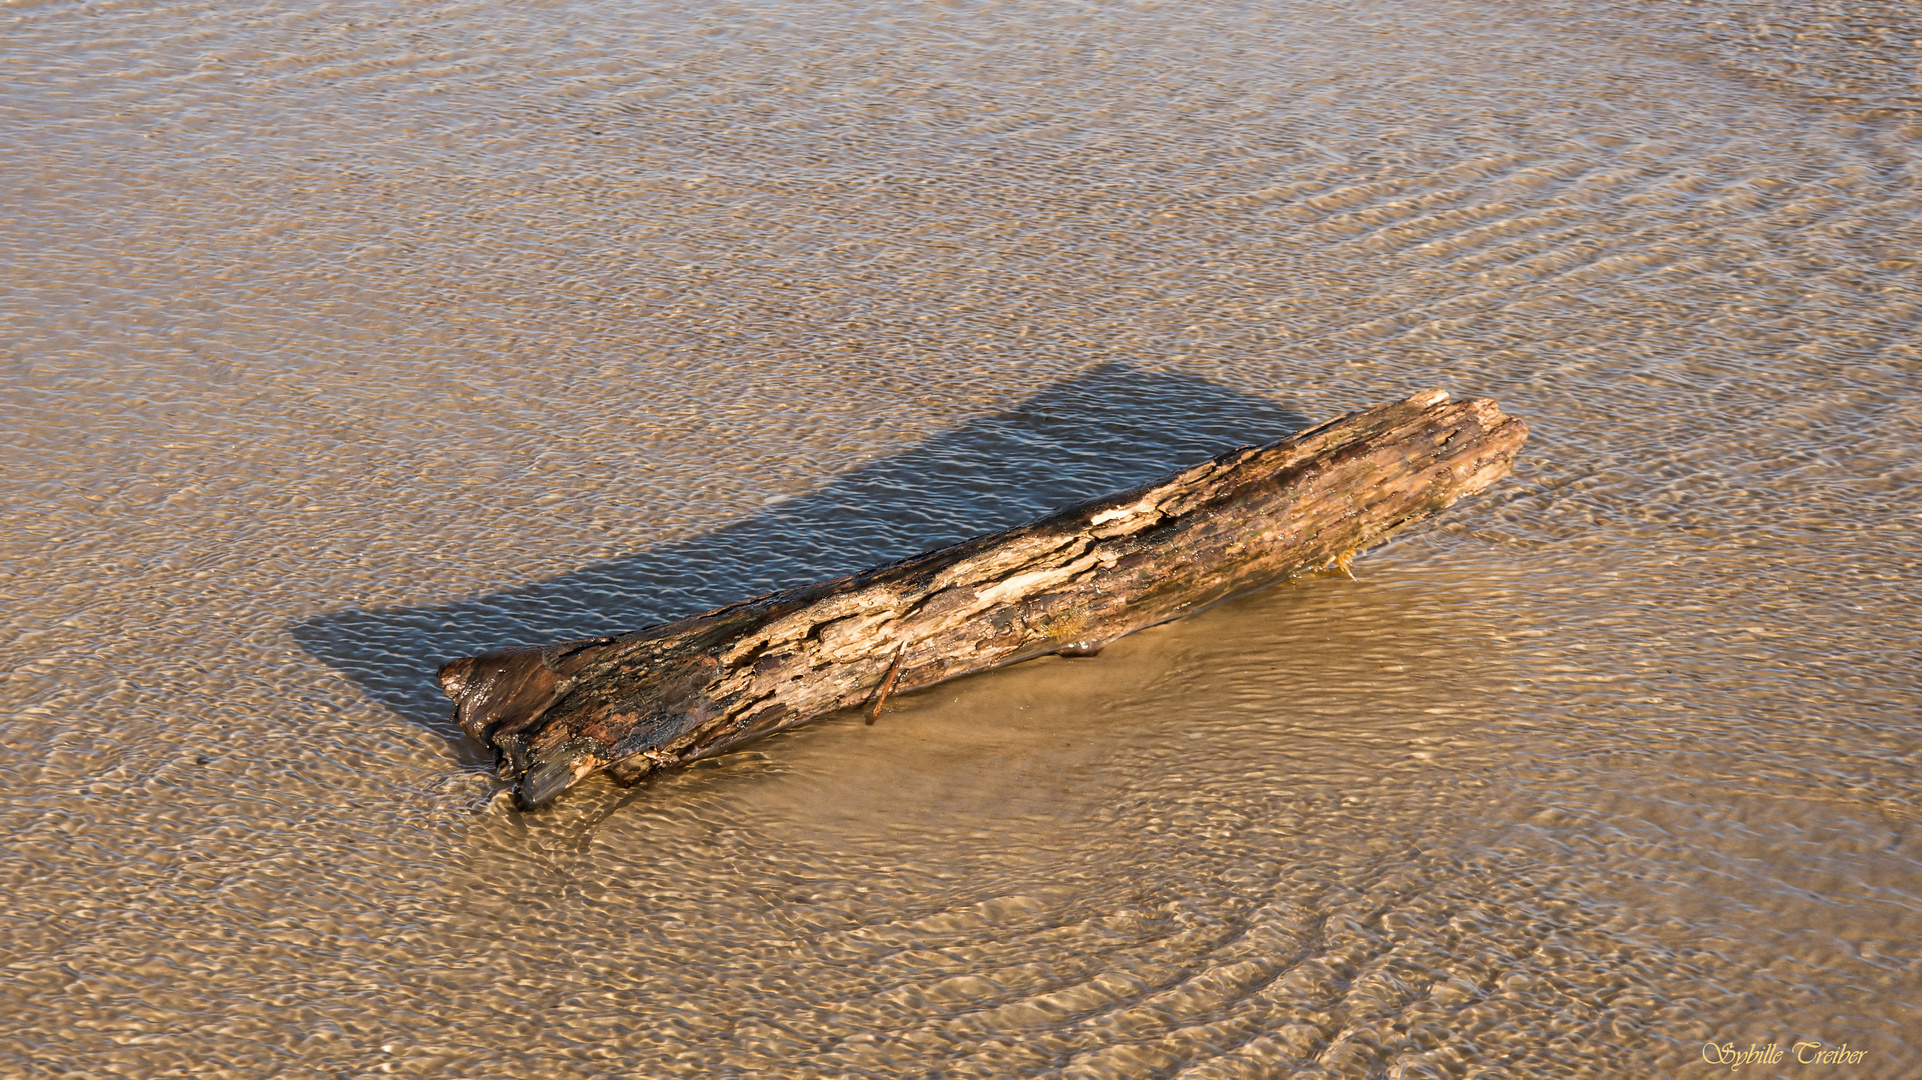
[340,342]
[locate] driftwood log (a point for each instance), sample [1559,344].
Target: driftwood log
[1068,584]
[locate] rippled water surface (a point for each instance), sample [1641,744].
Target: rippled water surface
[342,340]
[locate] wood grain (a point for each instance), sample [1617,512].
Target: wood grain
[1070,583]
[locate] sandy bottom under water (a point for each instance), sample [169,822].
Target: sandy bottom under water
[340,342]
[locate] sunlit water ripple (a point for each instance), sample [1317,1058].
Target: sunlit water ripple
[339,341]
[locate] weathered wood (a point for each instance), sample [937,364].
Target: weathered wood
[1068,584]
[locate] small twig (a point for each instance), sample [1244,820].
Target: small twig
[887,683]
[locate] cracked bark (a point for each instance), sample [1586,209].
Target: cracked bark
[1068,584]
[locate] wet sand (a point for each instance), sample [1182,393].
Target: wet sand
[341,343]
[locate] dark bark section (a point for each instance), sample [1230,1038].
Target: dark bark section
[1068,584]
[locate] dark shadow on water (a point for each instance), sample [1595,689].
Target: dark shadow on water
[1109,429]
